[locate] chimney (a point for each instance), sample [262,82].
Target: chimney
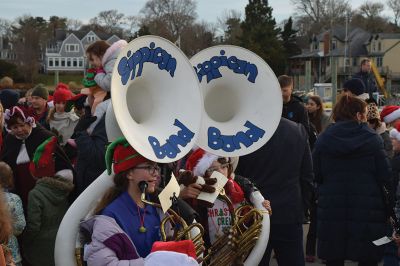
[327,42]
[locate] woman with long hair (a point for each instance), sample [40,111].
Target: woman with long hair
[316,113]
[352,170]
[124,227]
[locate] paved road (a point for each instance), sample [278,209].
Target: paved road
[318,262]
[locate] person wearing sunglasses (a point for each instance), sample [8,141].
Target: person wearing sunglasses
[124,228]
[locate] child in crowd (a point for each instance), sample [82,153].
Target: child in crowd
[62,121]
[15,207]
[102,57]
[216,219]
[47,204]
[125,228]
[6,228]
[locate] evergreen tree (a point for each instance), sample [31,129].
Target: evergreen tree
[288,36]
[260,34]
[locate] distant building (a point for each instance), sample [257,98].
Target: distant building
[382,48]
[67,51]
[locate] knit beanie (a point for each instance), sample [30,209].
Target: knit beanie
[88,81]
[122,156]
[40,91]
[390,113]
[62,96]
[9,98]
[61,85]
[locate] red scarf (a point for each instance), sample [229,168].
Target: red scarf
[234,191]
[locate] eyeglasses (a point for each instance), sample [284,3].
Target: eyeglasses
[210,170]
[152,169]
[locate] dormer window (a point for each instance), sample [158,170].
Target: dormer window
[91,38]
[72,48]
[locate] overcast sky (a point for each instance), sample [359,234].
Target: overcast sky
[83,10]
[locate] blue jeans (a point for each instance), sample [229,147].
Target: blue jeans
[287,242]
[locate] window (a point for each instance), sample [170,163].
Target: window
[56,62]
[315,46]
[72,47]
[63,62]
[91,38]
[75,62]
[379,61]
[373,46]
[333,45]
[50,61]
[68,62]
[379,46]
[80,62]
[328,92]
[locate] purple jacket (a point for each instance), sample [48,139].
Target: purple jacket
[110,244]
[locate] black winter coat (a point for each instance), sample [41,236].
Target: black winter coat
[350,165]
[282,171]
[91,156]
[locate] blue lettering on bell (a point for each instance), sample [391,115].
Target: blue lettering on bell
[210,68]
[170,148]
[128,64]
[230,143]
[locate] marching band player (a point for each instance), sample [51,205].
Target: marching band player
[125,228]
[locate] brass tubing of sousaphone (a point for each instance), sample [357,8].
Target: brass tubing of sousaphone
[184,232]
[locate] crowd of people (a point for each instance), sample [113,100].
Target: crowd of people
[338,171]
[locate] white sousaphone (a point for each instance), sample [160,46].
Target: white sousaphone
[156,105]
[242,109]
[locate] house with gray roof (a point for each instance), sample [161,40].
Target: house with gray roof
[66,52]
[348,47]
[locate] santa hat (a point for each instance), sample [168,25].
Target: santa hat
[43,163]
[62,86]
[390,113]
[62,96]
[122,156]
[89,81]
[184,246]
[395,132]
[199,161]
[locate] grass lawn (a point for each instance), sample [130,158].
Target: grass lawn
[49,79]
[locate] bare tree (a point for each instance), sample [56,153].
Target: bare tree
[175,14]
[319,14]
[395,6]
[5,27]
[110,18]
[371,10]
[74,24]
[227,15]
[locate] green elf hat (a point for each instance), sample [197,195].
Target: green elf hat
[88,81]
[43,163]
[122,156]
